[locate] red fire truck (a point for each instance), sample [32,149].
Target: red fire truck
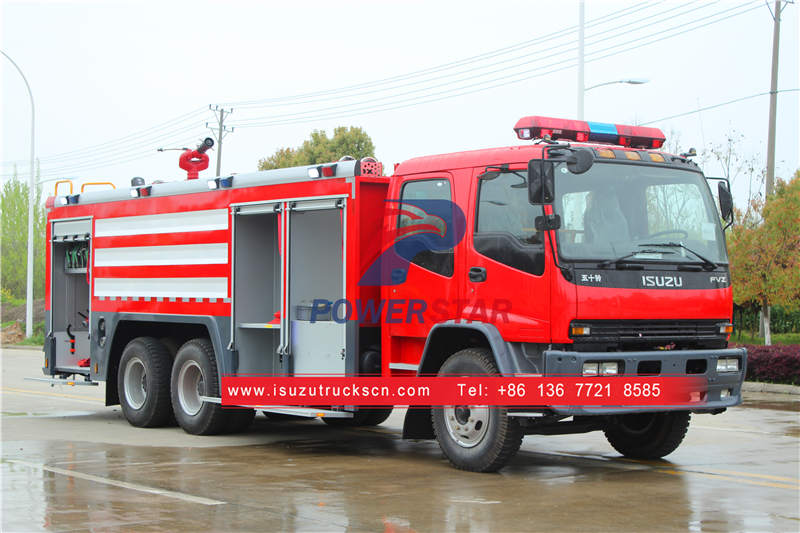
[585,251]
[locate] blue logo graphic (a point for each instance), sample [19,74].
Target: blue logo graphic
[422,226]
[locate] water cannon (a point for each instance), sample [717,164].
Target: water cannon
[195,161]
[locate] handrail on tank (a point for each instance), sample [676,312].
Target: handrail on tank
[83,186]
[68,182]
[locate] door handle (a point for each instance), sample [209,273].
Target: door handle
[477,274]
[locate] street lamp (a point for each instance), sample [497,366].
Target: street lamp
[630,81]
[31,199]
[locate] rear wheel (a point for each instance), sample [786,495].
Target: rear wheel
[194,374]
[647,435]
[475,438]
[143,383]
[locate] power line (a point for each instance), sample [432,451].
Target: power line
[506,80]
[539,56]
[113,149]
[445,66]
[113,145]
[289,100]
[119,154]
[121,140]
[707,108]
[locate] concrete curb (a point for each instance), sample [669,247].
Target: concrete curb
[17,347]
[757,386]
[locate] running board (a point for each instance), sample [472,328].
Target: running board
[70,382]
[295,411]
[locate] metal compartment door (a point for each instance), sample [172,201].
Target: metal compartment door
[317,310]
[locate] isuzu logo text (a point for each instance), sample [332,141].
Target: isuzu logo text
[662,281]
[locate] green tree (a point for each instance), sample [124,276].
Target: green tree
[14,239]
[764,250]
[320,148]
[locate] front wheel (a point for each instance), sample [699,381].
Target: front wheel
[647,435]
[475,438]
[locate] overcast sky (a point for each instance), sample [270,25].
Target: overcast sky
[114,81]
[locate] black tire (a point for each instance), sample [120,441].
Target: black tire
[364,417]
[238,420]
[647,435]
[493,439]
[143,383]
[194,374]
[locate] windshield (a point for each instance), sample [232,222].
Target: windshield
[636,212]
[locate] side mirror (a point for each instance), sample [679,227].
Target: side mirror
[579,161]
[725,202]
[540,181]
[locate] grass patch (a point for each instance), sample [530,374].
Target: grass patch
[749,337]
[7,299]
[37,339]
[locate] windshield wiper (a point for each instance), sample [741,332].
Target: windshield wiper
[619,260]
[707,263]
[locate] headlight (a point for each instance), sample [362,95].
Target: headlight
[727,364]
[609,368]
[590,369]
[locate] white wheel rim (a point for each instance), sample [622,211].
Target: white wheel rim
[135,383]
[190,387]
[467,424]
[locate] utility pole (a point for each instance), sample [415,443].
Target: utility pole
[769,186]
[773,97]
[221,130]
[31,200]
[581,86]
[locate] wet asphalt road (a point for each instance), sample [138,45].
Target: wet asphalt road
[71,464]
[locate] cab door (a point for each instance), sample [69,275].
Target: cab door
[426,227]
[506,278]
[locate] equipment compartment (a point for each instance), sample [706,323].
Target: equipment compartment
[69,293]
[256,292]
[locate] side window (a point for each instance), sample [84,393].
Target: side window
[439,261]
[505,224]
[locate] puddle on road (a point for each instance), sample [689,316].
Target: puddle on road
[788,405]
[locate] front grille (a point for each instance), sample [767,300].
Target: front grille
[626,331]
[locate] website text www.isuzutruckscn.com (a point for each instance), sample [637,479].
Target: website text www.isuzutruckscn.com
[616,391]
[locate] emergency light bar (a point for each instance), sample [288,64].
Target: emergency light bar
[582,131]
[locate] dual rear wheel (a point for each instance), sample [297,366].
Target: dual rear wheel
[156,391]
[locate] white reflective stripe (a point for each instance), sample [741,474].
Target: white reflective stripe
[207,220]
[403,366]
[179,254]
[162,287]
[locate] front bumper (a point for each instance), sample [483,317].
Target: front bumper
[669,363]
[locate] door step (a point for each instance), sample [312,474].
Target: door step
[64,381]
[308,412]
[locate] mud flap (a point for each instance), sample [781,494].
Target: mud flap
[418,423]
[49,368]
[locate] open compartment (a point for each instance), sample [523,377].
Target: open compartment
[69,293]
[256,290]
